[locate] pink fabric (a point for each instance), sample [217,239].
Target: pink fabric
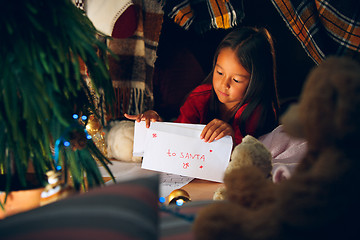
[285,150]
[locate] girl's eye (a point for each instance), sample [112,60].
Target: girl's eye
[220,73]
[237,81]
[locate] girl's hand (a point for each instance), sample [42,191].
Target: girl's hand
[215,130]
[148,116]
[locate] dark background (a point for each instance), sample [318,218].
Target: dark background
[185,58]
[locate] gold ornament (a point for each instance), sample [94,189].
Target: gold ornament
[93,125]
[94,129]
[179,197]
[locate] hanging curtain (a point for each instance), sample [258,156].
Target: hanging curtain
[203,15]
[324,28]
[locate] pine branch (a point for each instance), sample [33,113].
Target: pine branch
[42,86]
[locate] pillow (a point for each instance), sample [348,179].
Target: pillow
[127,210]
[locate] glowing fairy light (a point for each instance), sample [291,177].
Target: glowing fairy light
[179,202]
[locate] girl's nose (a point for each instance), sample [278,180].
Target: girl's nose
[226,82]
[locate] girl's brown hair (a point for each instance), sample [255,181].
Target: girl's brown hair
[255,50]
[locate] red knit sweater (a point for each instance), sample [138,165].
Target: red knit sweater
[195,108]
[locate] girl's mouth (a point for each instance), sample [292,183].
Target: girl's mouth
[224,94]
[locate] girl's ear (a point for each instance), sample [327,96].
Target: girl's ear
[292,123]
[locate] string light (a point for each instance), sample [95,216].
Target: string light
[179,202]
[87,134]
[66,143]
[92,130]
[56,154]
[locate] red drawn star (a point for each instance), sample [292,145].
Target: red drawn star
[154,135]
[210,150]
[201,166]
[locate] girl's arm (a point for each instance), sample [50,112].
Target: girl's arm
[215,130]
[148,116]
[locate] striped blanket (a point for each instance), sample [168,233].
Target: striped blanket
[323,27]
[203,15]
[132,70]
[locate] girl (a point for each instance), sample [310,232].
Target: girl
[239,96]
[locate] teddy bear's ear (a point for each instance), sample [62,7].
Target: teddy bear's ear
[292,123]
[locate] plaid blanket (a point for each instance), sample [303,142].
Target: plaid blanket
[203,15]
[132,70]
[323,27]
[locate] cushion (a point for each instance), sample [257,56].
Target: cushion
[127,210]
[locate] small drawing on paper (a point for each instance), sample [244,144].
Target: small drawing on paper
[170,182]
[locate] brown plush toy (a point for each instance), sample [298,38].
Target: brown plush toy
[321,199]
[251,152]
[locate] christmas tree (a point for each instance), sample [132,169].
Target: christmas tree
[45,101]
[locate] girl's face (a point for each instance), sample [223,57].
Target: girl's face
[230,79]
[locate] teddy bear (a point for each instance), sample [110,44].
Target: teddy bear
[320,199]
[119,139]
[250,152]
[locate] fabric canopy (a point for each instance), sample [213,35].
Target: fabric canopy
[203,15]
[324,28]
